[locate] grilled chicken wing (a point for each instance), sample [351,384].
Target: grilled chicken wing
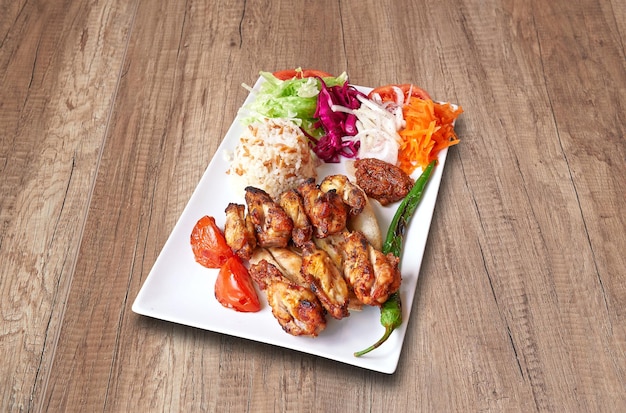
[272,225]
[296,308]
[325,280]
[334,246]
[291,202]
[326,210]
[350,193]
[373,275]
[288,262]
[239,231]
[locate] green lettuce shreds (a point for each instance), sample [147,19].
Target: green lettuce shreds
[294,99]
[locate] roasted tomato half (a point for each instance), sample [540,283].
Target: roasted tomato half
[208,243]
[234,288]
[390,92]
[299,74]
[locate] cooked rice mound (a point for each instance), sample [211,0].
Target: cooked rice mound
[272,155]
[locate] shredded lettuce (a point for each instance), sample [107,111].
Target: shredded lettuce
[293,99]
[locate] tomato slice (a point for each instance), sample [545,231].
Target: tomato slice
[388,92]
[234,288]
[299,74]
[208,243]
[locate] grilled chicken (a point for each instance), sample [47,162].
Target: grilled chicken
[325,280]
[333,245]
[288,262]
[296,308]
[239,231]
[373,275]
[326,210]
[271,224]
[350,193]
[291,202]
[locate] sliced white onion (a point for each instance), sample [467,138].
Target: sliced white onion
[376,143]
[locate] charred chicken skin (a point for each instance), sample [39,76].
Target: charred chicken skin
[325,280]
[373,275]
[239,231]
[296,308]
[326,210]
[291,202]
[271,223]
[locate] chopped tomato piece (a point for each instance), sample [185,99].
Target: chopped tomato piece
[234,288]
[299,74]
[208,243]
[389,92]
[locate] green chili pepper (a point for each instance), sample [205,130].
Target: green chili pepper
[391,310]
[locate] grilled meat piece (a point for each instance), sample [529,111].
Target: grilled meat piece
[296,308]
[239,231]
[325,280]
[326,210]
[334,246]
[271,224]
[350,193]
[291,202]
[381,180]
[373,275]
[288,262]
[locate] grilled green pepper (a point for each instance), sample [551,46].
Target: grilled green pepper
[391,310]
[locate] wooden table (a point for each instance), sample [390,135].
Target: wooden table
[111,110]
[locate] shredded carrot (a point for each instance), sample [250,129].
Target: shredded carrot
[429,129]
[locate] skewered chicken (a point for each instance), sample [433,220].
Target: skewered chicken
[373,275]
[325,280]
[326,210]
[239,231]
[296,308]
[271,223]
[291,202]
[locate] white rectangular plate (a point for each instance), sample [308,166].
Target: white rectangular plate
[180,290]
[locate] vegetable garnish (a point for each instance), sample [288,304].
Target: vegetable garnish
[294,99]
[391,310]
[300,73]
[400,94]
[208,243]
[378,131]
[334,111]
[428,129]
[234,288]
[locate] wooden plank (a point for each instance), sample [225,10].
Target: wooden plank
[53,117]
[110,113]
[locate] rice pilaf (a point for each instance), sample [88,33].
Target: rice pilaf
[272,155]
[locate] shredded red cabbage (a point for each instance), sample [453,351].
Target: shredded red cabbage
[336,124]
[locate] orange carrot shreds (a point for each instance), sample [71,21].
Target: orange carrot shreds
[429,129]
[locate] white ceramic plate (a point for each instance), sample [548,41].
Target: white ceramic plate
[180,290]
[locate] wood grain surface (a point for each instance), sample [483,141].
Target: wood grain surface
[111,110]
